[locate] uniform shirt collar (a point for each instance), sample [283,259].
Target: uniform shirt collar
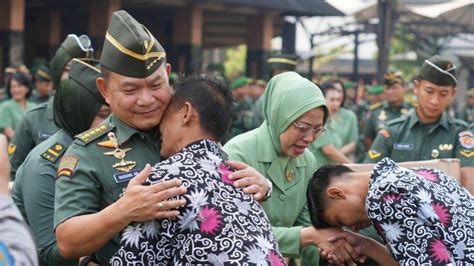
[49,109]
[124,131]
[443,120]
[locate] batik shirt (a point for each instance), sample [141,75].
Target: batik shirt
[424,216]
[219,224]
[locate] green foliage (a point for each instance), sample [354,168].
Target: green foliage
[235,61]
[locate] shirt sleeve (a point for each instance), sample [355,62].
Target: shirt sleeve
[381,148]
[23,142]
[6,117]
[369,131]
[77,189]
[354,129]
[16,244]
[38,196]
[409,227]
[464,148]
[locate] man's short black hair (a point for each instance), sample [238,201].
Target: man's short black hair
[210,97]
[317,190]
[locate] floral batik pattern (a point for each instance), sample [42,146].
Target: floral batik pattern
[219,224]
[424,216]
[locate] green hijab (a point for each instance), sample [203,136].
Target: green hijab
[287,97]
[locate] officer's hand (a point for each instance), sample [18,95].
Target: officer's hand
[4,166]
[157,201]
[250,179]
[353,243]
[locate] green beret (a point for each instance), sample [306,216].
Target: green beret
[239,82]
[72,47]
[130,49]
[282,61]
[439,71]
[348,84]
[375,90]
[393,77]
[42,73]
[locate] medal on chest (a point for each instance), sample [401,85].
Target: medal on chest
[290,175]
[382,116]
[119,153]
[434,154]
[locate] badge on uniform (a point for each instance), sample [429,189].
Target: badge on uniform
[382,116]
[374,154]
[43,135]
[123,165]
[124,177]
[403,146]
[11,149]
[466,140]
[384,132]
[434,154]
[67,166]
[290,175]
[445,147]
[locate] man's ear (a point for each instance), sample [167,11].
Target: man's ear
[335,193]
[186,113]
[102,87]
[416,87]
[168,69]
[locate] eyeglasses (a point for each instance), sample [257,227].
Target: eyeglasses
[305,130]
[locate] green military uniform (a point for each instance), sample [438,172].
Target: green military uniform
[345,122]
[467,113]
[78,101]
[381,114]
[244,118]
[329,138]
[97,166]
[11,113]
[260,148]
[36,126]
[407,139]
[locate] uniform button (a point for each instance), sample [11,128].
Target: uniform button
[282,197]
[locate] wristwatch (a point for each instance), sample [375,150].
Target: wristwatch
[270,189]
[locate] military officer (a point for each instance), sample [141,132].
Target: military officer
[244,118]
[43,85]
[37,124]
[99,191]
[78,106]
[392,107]
[468,112]
[427,132]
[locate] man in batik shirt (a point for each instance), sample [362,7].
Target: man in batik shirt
[424,216]
[219,223]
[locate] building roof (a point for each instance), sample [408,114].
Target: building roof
[293,7]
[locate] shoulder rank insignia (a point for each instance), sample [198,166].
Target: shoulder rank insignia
[11,149]
[67,166]
[123,165]
[375,106]
[373,154]
[466,139]
[382,116]
[94,133]
[53,152]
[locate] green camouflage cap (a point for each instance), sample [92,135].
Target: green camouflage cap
[282,61]
[42,73]
[375,90]
[130,49]
[439,71]
[239,82]
[72,47]
[393,77]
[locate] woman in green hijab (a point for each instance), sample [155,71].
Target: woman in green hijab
[295,112]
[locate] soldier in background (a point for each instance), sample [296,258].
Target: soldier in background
[467,113]
[43,85]
[392,107]
[38,124]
